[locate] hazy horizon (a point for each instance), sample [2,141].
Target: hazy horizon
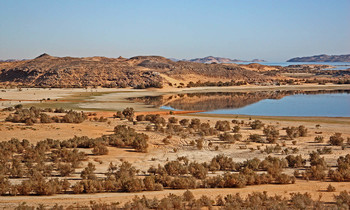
[271,30]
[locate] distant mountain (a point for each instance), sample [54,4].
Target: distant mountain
[212,59]
[12,60]
[322,58]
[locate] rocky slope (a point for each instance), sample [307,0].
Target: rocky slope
[139,71]
[322,58]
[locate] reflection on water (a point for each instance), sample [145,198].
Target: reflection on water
[258,103]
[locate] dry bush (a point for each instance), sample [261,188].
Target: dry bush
[236,129]
[295,161]
[302,131]
[184,122]
[343,200]
[330,188]
[175,168]
[336,139]
[292,132]
[271,133]
[195,123]
[200,144]
[74,117]
[319,139]
[140,117]
[301,201]
[256,124]
[128,113]
[226,137]
[255,138]
[65,169]
[342,173]
[88,172]
[222,125]
[198,170]
[222,163]
[324,150]
[173,120]
[100,149]
[183,183]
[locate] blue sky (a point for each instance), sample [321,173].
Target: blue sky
[274,30]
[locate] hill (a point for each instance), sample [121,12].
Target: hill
[139,72]
[322,58]
[212,59]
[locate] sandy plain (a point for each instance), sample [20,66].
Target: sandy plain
[105,101]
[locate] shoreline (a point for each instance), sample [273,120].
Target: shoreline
[105,98]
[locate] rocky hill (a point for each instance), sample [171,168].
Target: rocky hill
[139,71]
[212,59]
[322,58]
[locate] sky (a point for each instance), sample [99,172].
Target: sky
[274,30]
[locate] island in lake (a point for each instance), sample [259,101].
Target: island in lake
[322,58]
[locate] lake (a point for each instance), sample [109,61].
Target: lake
[337,65]
[268,103]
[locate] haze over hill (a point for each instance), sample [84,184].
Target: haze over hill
[322,58]
[212,59]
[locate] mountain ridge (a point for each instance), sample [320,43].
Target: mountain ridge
[138,72]
[322,58]
[213,59]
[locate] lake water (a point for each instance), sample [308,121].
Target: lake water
[328,105]
[267,103]
[338,65]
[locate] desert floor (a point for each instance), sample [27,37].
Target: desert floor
[103,101]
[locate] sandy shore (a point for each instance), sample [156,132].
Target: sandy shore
[111,99]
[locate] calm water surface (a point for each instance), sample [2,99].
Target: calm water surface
[328,105]
[337,65]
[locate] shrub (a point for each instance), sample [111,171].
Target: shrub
[295,161]
[343,200]
[188,195]
[236,128]
[319,139]
[175,168]
[173,120]
[255,138]
[184,122]
[88,172]
[227,137]
[301,201]
[128,113]
[336,139]
[256,124]
[292,132]
[237,137]
[140,143]
[198,170]
[271,133]
[65,169]
[100,149]
[140,117]
[183,183]
[330,188]
[302,131]
[74,117]
[222,125]
[200,143]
